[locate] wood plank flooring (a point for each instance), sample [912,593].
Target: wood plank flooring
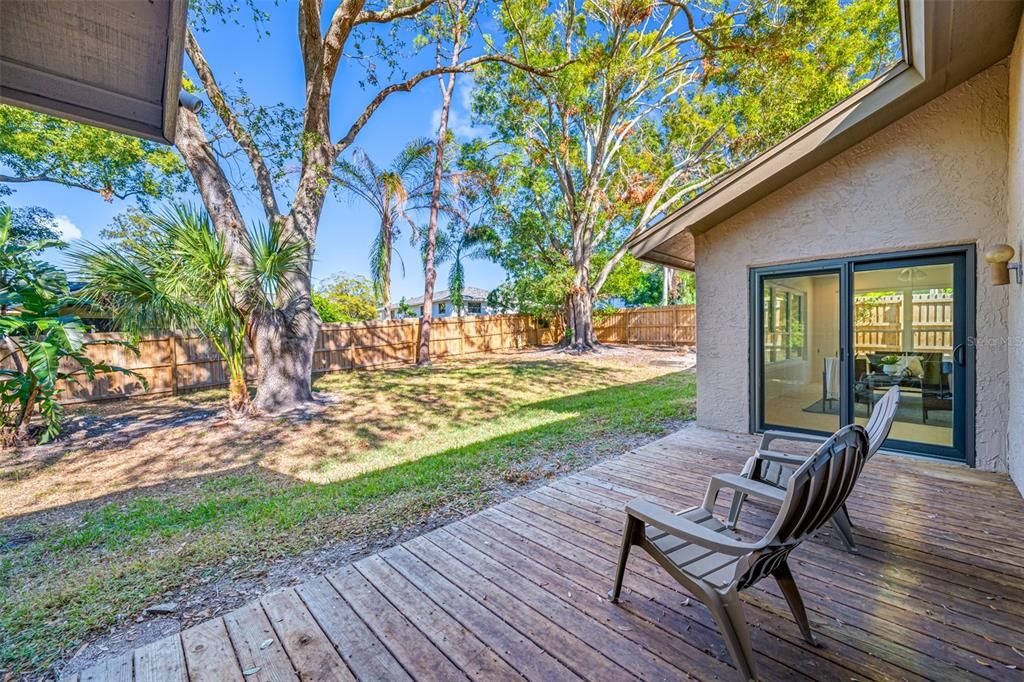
[518,591]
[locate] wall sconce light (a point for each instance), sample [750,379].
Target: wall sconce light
[999,257]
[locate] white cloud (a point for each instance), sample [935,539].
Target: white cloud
[459,117]
[465,87]
[67,229]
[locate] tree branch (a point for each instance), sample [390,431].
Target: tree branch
[215,191]
[699,33]
[311,42]
[264,181]
[342,22]
[407,85]
[105,192]
[602,277]
[391,12]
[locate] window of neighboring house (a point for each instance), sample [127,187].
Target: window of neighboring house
[474,308]
[441,308]
[784,324]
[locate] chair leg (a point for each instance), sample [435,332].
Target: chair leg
[734,509]
[841,522]
[784,577]
[629,536]
[727,611]
[848,519]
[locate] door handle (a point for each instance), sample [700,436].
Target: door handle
[960,354]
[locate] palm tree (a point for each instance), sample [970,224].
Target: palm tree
[465,242]
[394,193]
[466,237]
[180,275]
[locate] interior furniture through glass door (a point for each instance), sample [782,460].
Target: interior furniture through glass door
[908,331]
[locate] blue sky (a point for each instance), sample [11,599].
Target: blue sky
[271,71]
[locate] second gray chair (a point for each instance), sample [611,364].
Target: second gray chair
[765,474]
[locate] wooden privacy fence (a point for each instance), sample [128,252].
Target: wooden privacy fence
[180,362]
[674,325]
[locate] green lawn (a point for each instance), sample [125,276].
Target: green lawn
[397,447]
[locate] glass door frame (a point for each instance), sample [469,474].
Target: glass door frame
[757,367]
[963,259]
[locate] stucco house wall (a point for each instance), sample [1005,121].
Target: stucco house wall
[1015,237]
[936,177]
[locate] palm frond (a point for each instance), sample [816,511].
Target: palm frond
[379,264]
[275,258]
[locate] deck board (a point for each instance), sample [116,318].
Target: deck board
[518,590]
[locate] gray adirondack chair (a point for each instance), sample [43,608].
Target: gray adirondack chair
[764,475]
[714,564]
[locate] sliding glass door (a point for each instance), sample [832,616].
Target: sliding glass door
[830,338]
[800,351]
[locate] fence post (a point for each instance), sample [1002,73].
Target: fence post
[174,363]
[351,348]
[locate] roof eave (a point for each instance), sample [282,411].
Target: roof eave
[26,85]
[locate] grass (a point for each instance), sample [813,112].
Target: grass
[398,448]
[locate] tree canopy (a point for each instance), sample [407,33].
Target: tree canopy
[660,100]
[39,148]
[346,298]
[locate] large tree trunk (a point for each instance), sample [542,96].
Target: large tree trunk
[579,314]
[429,271]
[284,337]
[284,344]
[579,311]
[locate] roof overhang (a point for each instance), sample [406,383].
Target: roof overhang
[109,63]
[947,42]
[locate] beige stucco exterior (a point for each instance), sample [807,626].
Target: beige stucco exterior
[1015,237]
[936,177]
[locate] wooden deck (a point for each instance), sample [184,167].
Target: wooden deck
[517,591]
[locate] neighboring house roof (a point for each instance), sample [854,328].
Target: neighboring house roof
[468,294]
[110,63]
[945,43]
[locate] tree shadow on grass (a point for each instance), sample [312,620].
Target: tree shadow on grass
[231,511]
[574,419]
[372,415]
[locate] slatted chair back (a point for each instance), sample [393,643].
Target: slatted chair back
[880,422]
[813,494]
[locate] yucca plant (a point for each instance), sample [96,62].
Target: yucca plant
[180,276]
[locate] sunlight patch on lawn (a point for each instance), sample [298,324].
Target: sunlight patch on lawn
[330,470]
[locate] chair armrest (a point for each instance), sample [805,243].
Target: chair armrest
[687,530]
[781,457]
[762,491]
[768,436]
